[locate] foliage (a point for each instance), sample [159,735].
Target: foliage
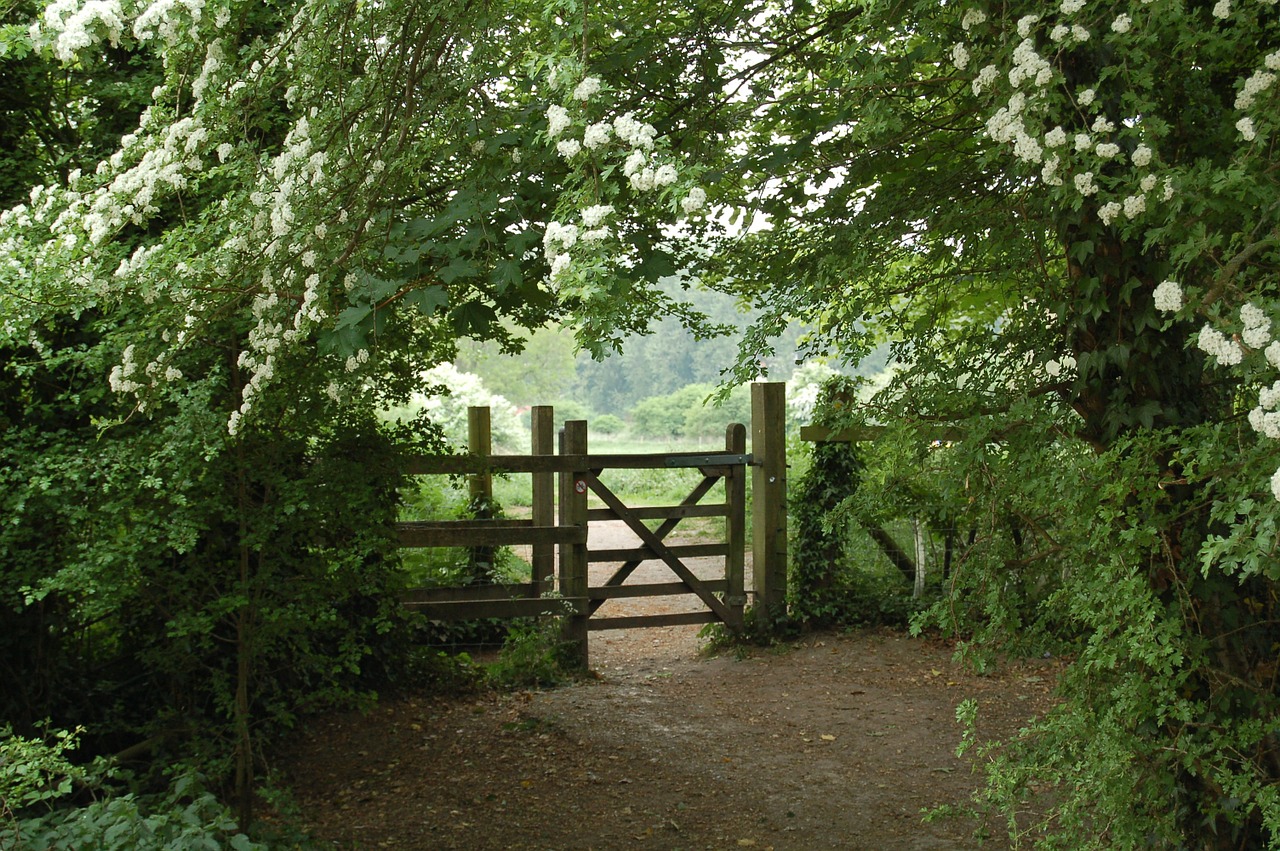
[533,655]
[39,786]
[836,576]
[1061,219]
[451,393]
[690,412]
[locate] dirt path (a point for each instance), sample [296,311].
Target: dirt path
[836,741]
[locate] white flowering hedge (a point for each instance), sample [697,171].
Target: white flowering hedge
[1062,217]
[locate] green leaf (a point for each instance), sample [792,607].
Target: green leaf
[460,267]
[428,299]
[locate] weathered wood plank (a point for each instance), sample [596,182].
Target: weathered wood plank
[525,607]
[735,490]
[650,540]
[426,465]
[471,533]
[643,621]
[543,442]
[655,589]
[452,593]
[573,556]
[769,496]
[662,512]
[648,554]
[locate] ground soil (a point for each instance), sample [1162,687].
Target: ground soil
[830,741]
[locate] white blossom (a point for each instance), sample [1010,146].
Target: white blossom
[587,89]
[972,18]
[597,135]
[1084,183]
[593,216]
[960,56]
[1122,24]
[1141,156]
[1225,351]
[568,147]
[1255,85]
[558,120]
[1246,128]
[695,200]
[1222,9]
[985,78]
[1168,296]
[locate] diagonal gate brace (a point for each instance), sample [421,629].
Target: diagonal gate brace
[659,548]
[622,573]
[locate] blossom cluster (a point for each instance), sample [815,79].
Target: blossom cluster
[624,140]
[1034,88]
[70,26]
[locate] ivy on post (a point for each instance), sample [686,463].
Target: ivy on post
[769,495]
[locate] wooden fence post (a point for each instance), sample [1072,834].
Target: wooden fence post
[735,497]
[543,559]
[480,485]
[769,499]
[573,557]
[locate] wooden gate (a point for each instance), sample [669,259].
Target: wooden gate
[723,598]
[560,540]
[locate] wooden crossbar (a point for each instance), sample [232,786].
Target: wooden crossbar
[654,543]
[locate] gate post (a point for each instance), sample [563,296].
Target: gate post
[769,500]
[735,498]
[480,487]
[573,557]
[543,559]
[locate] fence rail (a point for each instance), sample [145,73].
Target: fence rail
[565,530]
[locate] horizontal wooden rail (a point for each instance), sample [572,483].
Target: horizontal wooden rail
[425,465]
[522,607]
[642,621]
[453,593]
[646,554]
[656,589]
[474,533]
[660,512]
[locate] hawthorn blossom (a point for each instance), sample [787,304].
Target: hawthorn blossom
[1168,297]
[695,200]
[1225,351]
[588,88]
[593,217]
[557,120]
[597,135]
